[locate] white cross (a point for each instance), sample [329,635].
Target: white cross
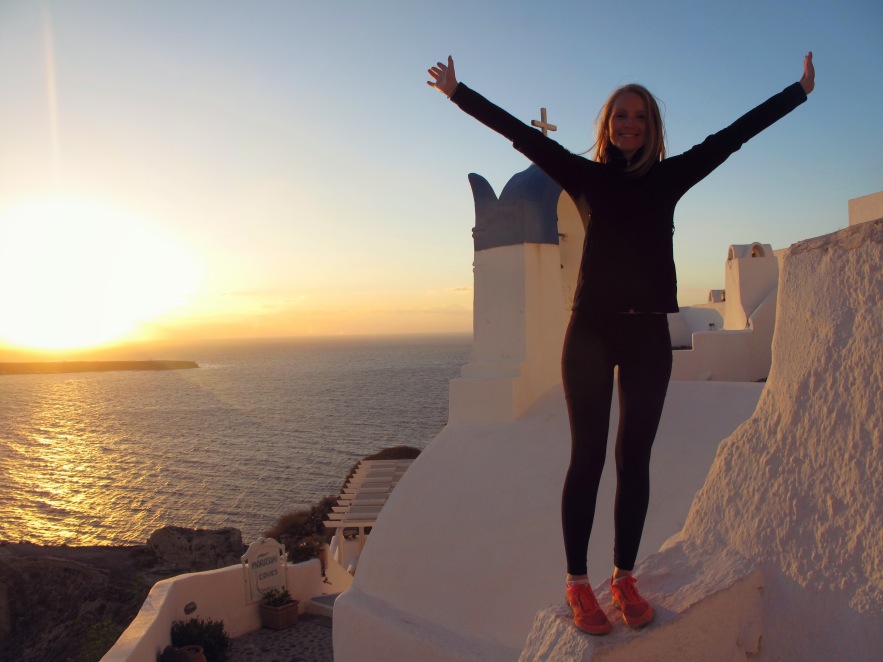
[542,124]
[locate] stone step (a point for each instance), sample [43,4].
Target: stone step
[322,605]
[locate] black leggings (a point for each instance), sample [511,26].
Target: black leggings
[641,346]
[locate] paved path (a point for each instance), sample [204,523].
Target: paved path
[308,641]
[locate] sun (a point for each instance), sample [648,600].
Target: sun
[77,274]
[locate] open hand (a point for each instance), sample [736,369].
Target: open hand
[443,78]
[808,81]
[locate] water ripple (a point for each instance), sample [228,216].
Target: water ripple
[260,429]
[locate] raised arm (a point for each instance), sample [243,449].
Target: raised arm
[808,80]
[443,77]
[696,163]
[545,152]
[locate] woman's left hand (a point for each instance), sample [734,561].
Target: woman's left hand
[443,77]
[808,81]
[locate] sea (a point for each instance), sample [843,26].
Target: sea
[259,429]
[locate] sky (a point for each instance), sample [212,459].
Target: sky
[246,169]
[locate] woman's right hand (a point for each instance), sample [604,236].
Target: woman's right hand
[443,77]
[808,81]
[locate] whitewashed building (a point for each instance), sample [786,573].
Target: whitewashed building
[466,562]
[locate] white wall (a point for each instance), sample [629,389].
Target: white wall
[218,595]
[739,347]
[731,356]
[866,209]
[798,488]
[694,319]
[571,237]
[751,273]
[518,330]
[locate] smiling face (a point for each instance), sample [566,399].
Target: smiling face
[628,123]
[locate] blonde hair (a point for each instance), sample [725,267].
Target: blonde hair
[653,150]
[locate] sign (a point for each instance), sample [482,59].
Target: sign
[263,567]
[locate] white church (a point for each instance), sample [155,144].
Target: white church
[764,534]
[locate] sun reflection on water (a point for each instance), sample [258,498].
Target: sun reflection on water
[257,431]
[55,464]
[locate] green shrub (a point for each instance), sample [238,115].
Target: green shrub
[303,531]
[290,524]
[96,639]
[139,589]
[301,524]
[277,597]
[306,549]
[208,633]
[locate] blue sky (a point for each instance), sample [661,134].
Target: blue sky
[294,152]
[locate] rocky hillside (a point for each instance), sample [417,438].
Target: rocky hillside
[71,603]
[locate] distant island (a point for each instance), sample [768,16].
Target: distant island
[58,367]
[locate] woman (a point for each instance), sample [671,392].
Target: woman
[626,198]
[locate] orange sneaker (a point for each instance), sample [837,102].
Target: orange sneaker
[636,611]
[587,615]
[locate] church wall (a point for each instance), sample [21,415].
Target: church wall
[518,331]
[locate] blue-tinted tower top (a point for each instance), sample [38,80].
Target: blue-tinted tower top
[525,213]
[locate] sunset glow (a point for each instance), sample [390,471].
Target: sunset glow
[326,202]
[77,274]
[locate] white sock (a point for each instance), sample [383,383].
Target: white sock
[583,580]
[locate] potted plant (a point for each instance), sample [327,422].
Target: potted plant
[278,609]
[203,640]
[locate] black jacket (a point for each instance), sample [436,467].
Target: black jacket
[628,261]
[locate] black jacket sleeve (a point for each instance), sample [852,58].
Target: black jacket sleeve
[554,159]
[696,163]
